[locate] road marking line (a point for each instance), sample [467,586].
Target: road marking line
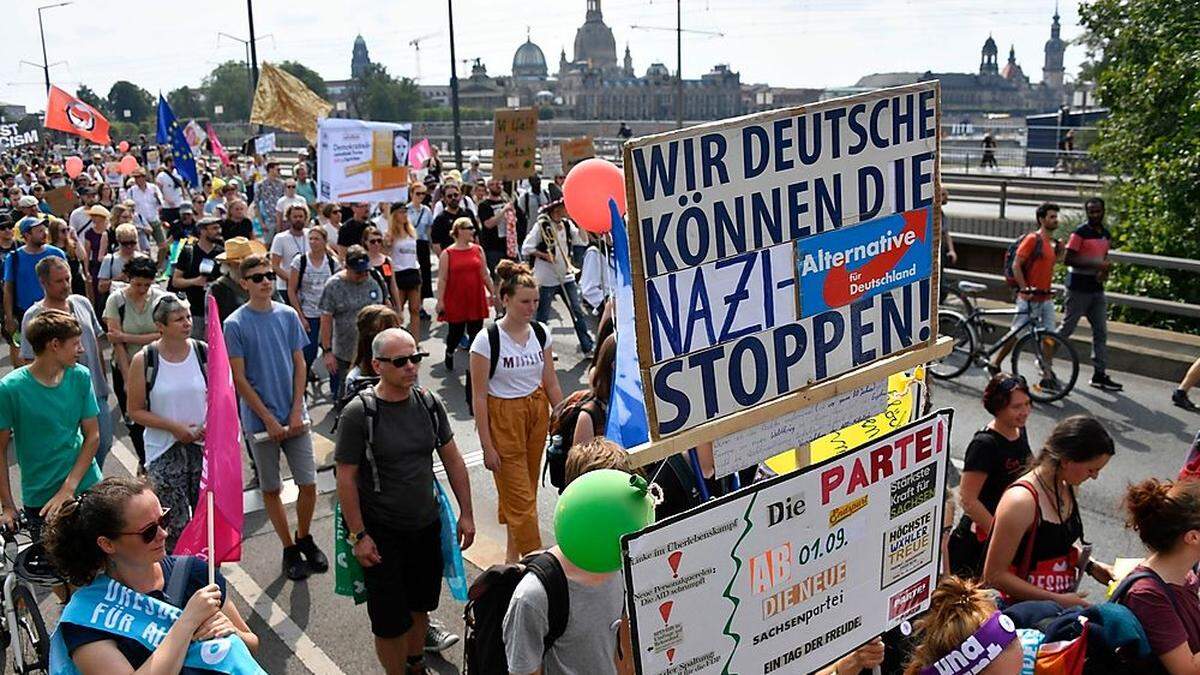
[313,657]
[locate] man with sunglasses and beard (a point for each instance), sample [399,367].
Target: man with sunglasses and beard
[266,341]
[385,481]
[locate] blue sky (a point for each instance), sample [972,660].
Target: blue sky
[160,44]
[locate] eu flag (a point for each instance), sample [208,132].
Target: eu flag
[169,132]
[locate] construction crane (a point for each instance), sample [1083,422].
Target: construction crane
[415,43]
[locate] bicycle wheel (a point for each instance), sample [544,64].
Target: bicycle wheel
[954,325]
[954,300]
[31,642]
[1048,362]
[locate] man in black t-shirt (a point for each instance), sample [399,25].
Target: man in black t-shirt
[196,268]
[452,210]
[351,232]
[492,232]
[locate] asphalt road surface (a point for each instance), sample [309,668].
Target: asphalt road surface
[305,628]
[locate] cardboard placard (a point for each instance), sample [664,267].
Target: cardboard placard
[514,143]
[576,150]
[792,573]
[62,201]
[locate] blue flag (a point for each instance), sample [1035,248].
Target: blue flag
[169,132]
[627,421]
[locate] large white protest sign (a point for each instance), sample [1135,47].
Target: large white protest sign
[264,144]
[792,573]
[360,161]
[12,137]
[777,250]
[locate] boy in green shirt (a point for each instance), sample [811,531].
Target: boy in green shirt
[49,409]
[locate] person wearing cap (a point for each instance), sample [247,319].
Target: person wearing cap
[21,287]
[228,289]
[266,341]
[27,207]
[474,174]
[95,244]
[346,292]
[80,218]
[548,242]
[55,278]
[196,267]
[288,200]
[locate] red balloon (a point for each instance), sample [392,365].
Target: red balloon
[589,186]
[123,146]
[74,166]
[128,164]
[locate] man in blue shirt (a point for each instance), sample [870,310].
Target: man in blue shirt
[21,287]
[266,340]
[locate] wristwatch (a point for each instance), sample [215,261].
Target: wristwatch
[355,537]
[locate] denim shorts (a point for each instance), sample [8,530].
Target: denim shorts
[1040,311]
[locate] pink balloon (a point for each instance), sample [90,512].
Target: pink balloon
[123,146]
[589,186]
[128,164]
[74,166]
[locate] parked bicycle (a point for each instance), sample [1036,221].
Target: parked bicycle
[1037,353]
[21,624]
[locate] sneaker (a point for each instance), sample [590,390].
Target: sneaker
[425,315]
[464,343]
[589,352]
[317,562]
[1180,398]
[1103,381]
[438,639]
[1050,384]
[293,563]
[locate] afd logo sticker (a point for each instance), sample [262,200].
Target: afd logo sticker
[840,267]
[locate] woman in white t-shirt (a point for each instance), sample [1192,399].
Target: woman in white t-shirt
[512,406]
[172,412]
[401,239]
[308,273]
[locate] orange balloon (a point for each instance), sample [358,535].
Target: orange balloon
[74,166]
[123,146]
[128,164]
[587,190]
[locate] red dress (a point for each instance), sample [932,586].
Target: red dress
[465,297]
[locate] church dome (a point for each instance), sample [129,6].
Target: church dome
[529,61]
[657,70]
[989,47]
[594,42]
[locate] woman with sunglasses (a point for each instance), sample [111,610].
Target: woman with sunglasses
[129,320]
[112,266]
[381,264]
[463,288]
[168,396]
[401,240]
[996,457]
[421,218]
[111,542]
[1037,548]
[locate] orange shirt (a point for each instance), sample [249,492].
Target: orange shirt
[1039,271]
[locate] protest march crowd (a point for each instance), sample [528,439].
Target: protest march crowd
[113,292]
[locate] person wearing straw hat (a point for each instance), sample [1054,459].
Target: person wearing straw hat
[227,289]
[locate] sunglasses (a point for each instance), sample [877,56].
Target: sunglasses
[374,241]
[127,243]
[420,192]
[1016,382]
[150,532]
[452,195]
[261,277]
[469,228]
[401,361]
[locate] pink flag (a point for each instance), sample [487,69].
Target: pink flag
[217,148]
[418,154]
[222,473]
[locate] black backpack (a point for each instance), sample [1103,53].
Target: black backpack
[304,268]
[561,439]
[493,333]
[366,393]
[152,359]
[487,603]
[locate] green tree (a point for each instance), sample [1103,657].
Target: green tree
[187,102]
[125,95]
[228,86]
[380,97]
[309,77]
[84,93]
[1146,66]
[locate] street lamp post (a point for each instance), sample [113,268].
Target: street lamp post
[42,32]
[454,92]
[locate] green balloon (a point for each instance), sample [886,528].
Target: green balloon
[595,511]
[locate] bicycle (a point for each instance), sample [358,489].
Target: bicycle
[1033,354]
[21,624]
